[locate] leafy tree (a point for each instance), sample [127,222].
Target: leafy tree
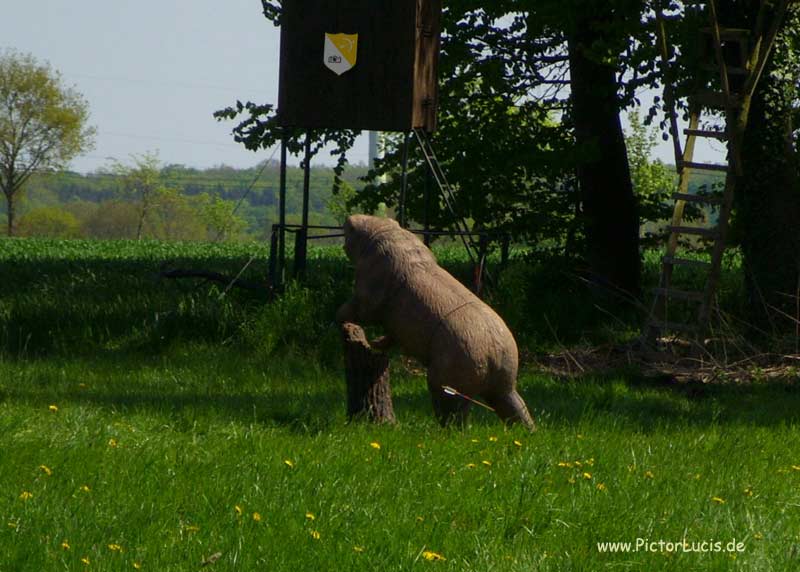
[653,181]
[142,182]
[113,219]
[768,196]
[511,132]
[51,222]
[174,216]
[43,124]
[220,218]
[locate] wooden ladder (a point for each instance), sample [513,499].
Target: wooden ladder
[754,47]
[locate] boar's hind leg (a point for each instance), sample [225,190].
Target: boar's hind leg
[447,408]
[511,409]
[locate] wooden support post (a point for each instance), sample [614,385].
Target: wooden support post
[369,395]
[282,211]
[301,240]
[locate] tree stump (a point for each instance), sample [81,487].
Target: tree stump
[369,395]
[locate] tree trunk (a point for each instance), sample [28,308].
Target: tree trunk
[768,196]
[11,213]
[610,215]
[369,395]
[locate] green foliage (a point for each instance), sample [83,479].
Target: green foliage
[113,220]
[653,182]
[301,320]
[43,124]
[49,222]
[89,297]
[230,204]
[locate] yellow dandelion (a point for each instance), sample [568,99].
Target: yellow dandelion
[420,445]
[85,488]
[257,516]
[53,408]
[578,464]
[25,495]
[486,463]
[697,476]
[310,516]
[137,565]
[587,476]
[571,481]
[65,545]
[718,500]
[358,549]
[758,536]
[192,528]
[46,470]
[517,443]
[115,548]
[315,534]
[289,463]
[600,487]
[86,560]
[113,443]
[493,439]
[565,464]
[748,492]
[471,465]
[649,475]
[420,519]
[796,467]
[579,436]
[474,440]
[375,445]
[238,510]
[11,525]
[631,468]
[432,556]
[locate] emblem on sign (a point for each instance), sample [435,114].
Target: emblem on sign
[340,52]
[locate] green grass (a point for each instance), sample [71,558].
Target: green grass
[170,446]
[173,421]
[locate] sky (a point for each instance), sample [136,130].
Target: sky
[154,72]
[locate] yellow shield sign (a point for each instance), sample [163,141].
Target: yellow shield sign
[340,52]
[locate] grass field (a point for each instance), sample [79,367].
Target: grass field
[160,425]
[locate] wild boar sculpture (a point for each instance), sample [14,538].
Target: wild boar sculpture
[434,318]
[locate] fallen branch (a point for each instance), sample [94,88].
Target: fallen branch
[228,281]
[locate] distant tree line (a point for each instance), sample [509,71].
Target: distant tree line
[143,199]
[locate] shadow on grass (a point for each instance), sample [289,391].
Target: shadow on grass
[646,403]
[292,394]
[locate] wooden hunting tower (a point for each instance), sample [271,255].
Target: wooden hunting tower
[359,64]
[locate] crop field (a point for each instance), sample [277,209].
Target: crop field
[172,425]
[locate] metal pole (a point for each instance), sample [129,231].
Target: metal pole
[282,211]
[404,183]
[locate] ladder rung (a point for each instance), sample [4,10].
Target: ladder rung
[732,70]
[715,99]
[675,261]
[705,166]
[699,231]
[715,134]
[680,294]
[697,198]
[729,33]
[673,326]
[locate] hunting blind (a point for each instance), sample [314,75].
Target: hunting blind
[359,64]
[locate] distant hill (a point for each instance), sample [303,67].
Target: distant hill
[256,188]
